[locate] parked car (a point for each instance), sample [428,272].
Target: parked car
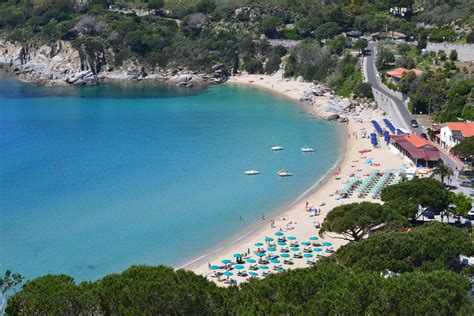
[428,214]
[470,214]
[472,192]
[414,123]
[465,184]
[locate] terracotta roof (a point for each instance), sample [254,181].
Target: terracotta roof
[416,140]
[466,129]
[417,147]
[398,73]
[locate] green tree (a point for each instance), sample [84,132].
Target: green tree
[155,4]
[8,283]
[425,192]
[53,295]
[385,57]
[361,45]
[206,6]
[462,204]
[443,171]
[364,89]
[427,247]
[408,82]
[465,149]
[327,30]
[453,55]
[269,26]
[355,221]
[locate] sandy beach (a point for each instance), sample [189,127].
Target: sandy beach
[296,221]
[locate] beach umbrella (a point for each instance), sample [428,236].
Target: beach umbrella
[279,234]
[271,249]
[291,238]
[251,260]
[228,273]
[327,244]
[253,273]
[285,255]
[239,267]
[306,243]
[313,238]
[237,255]
[281,243]
[260,254]
[318,249]
[295,249]
[308,255]
[264,267]
[275,261]
[268,239]
[226,261]
[214,267]
[259,244]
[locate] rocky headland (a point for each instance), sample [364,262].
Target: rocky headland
[62,64]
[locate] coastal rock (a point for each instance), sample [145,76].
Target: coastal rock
[85,77]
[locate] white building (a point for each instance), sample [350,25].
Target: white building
[453,133]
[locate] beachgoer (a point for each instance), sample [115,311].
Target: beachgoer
[240,218]
[263,217]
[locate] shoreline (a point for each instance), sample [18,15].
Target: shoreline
[260,227]
[293,217]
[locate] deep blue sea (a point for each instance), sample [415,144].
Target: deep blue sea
[93,180]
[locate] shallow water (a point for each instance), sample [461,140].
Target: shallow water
[93,180]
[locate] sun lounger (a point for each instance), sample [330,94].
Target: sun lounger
[298,255]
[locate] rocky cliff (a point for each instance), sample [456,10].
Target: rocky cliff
[62,64]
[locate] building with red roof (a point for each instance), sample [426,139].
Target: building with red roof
[452,133]
[419,150]
[396,74]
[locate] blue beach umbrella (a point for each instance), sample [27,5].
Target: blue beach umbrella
[275,261]
[295,249]
[306,243]
[261,254]
[228,273]
[268,239]
[285,255]
[237,255]
[318,249]
[308,255]
[253,273]
[259,244]
[271,249]
[327,244]
[239,267]
[226,261]
[281,243]
[279,234]
[264,267]
[215,267]
[313,238]
[251,260]
[291,238]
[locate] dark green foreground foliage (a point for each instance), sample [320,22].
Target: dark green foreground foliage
[326,288]
[427,247]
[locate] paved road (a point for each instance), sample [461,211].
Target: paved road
[406,116]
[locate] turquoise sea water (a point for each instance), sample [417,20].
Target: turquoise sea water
[93,180]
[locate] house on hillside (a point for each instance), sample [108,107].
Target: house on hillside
[396,75]
[452,133]
[417,149]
